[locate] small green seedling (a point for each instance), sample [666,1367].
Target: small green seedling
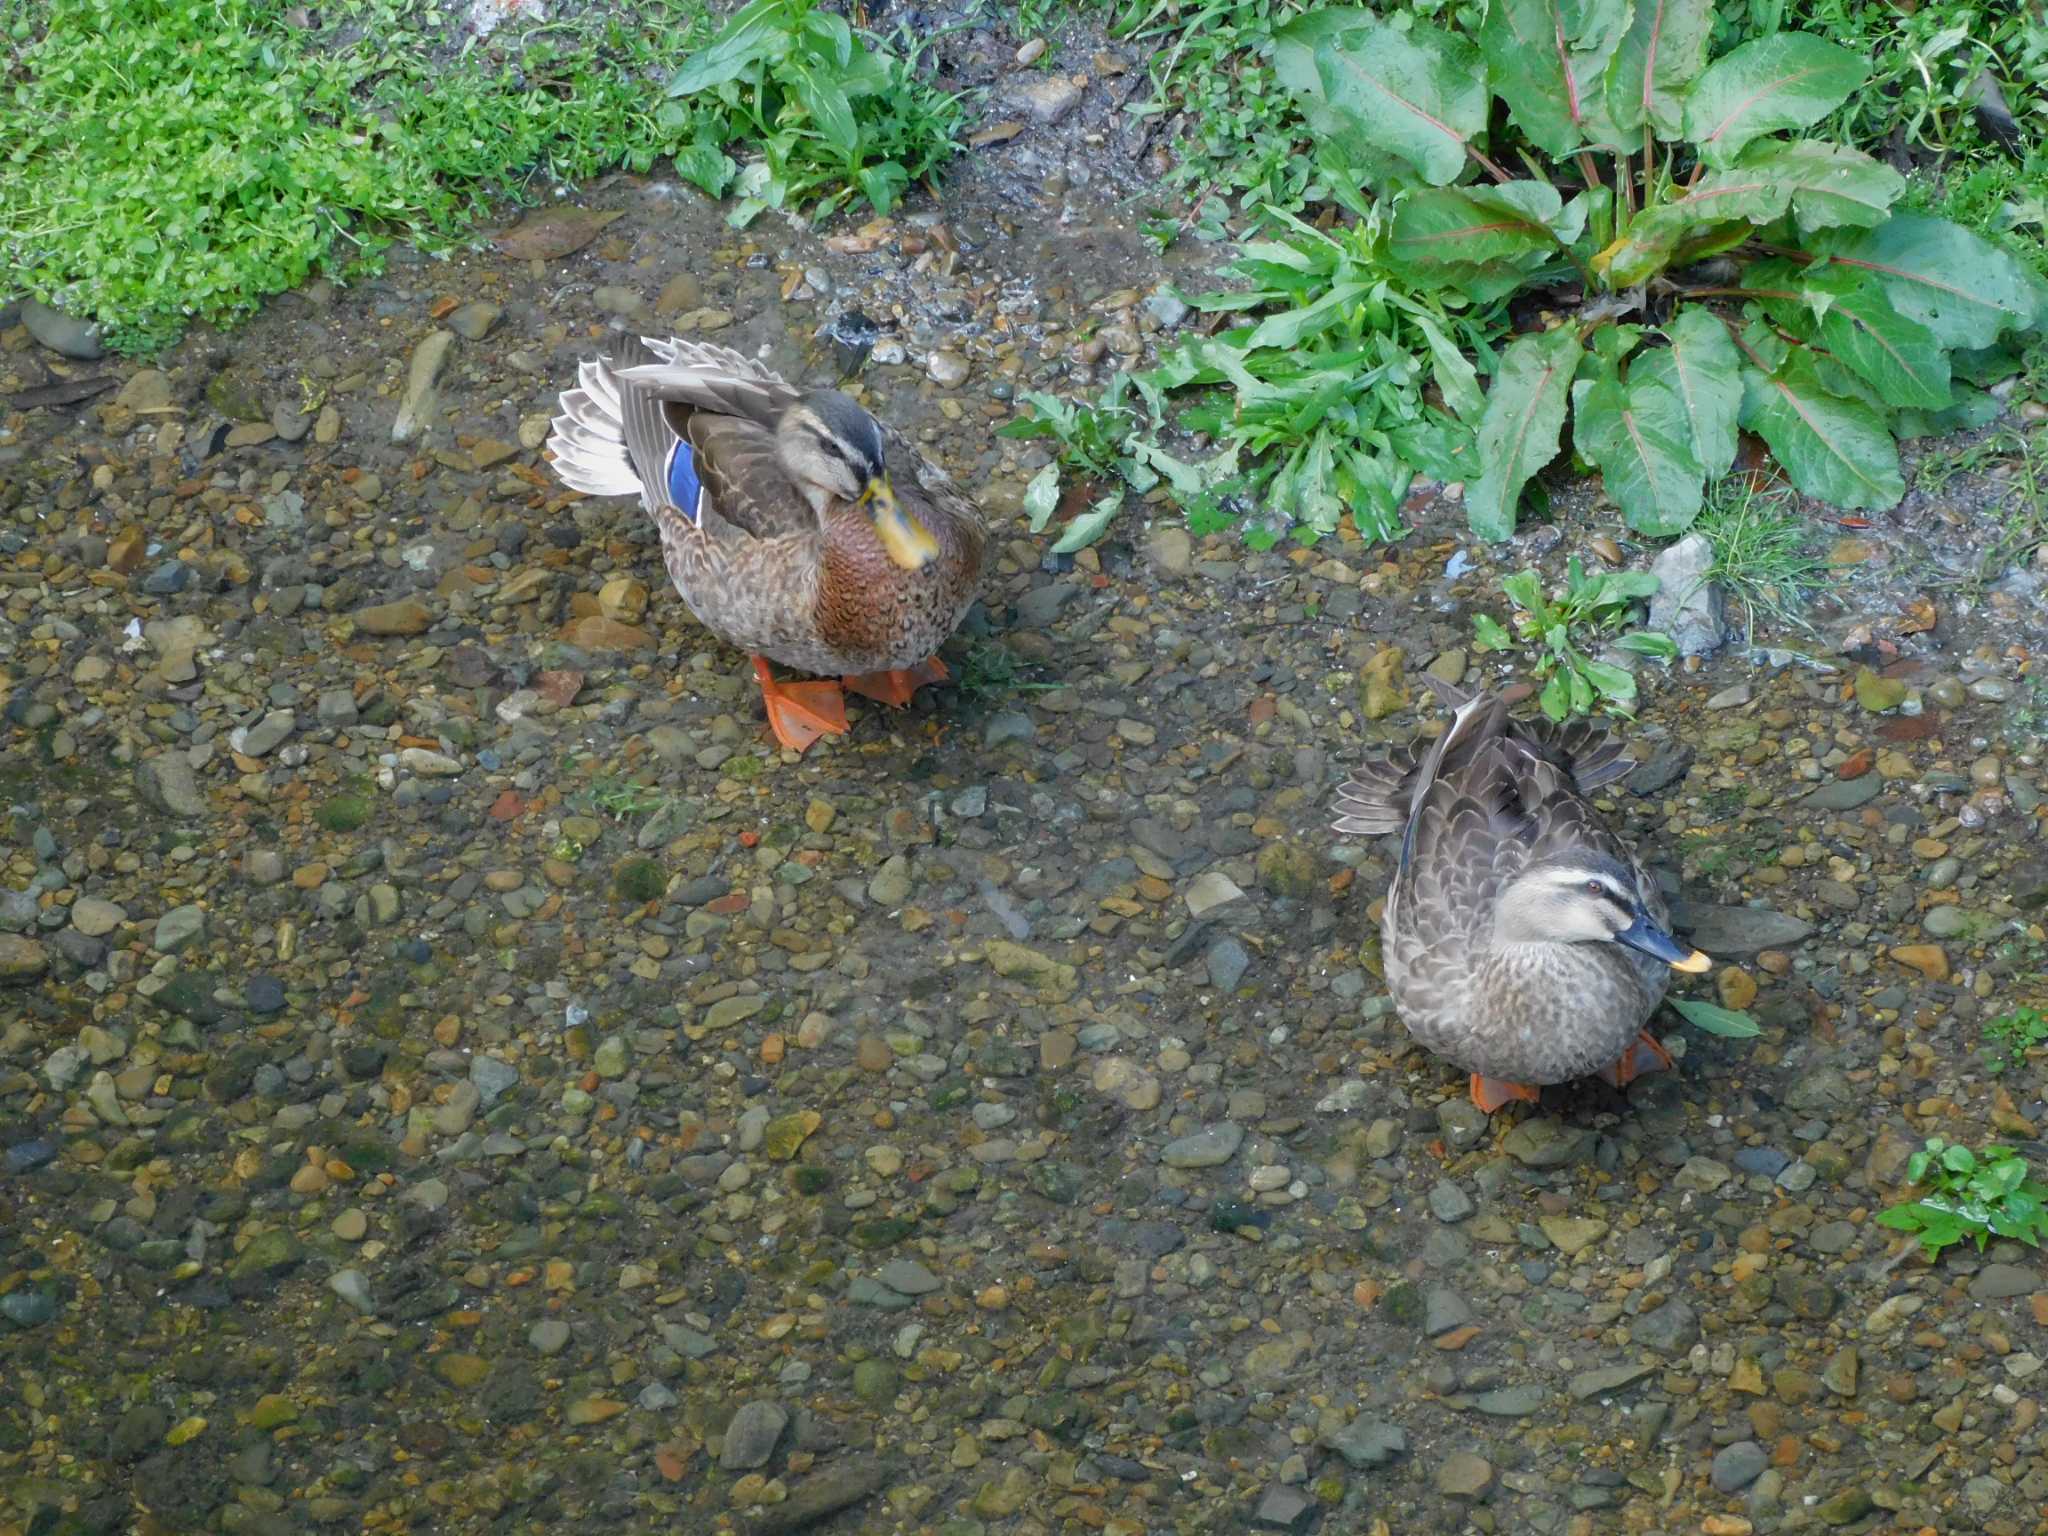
[1975,1195]
[2008,1037]
[1585,614]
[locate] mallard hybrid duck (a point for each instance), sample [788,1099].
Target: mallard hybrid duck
[781,522]
[1521,938]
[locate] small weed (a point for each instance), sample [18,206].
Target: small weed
[2009,1037]
[1974,1195]
[836,114]
[623,799]
[639,881]
[1589,612]
[992,670]
[345,812]
[1762,557]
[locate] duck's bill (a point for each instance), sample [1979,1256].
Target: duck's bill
[906,540]
[1646,936]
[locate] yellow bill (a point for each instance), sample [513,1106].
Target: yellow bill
[908,542]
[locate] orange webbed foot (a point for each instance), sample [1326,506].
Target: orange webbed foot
[896,688]
[799,713]
[1490,1093]
[1646,1055]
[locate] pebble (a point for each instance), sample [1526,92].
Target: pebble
[1204,1149]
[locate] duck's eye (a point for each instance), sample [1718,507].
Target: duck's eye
[1595,888]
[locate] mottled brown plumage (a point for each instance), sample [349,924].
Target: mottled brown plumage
[1522,939]
[784,554]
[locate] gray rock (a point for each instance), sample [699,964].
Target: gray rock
[169,784]
[1449,1203]
[289,422]
[1670,1329]
[1444,1309]
[549,1336]
[420,407]
[179,929]
[1611,1378]
[1996,1282]
[1726,932]
[493,1078]
[1688,605]
[1012,725]
[1041,605]
[750,1437]
[1512,1402]
[1737,1466]
[1206,1148]
[266,735]
[1046,98]
[353,1287]
[1284,1508]
[1545,1143]
[1368,1442]
[337,707]
[1846,794]
[1227,963]
[909,1277]
[62,333]
[473,322]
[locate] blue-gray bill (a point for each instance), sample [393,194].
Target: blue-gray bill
[1646,936]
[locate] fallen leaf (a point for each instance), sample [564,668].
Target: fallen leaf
[995,133]
[554,232]
[1920,617]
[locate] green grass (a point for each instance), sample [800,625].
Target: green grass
[1763,555]
[171,160]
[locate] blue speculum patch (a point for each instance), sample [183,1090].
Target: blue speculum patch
[684,489]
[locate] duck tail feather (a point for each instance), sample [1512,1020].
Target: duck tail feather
[588,440]
[1477,713]
[712,378]
[1593,755]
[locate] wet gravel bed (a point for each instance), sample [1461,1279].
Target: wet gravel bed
[456,1075]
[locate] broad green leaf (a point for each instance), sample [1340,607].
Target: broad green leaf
[1703,370]
[1345,147]
[1785,80]
[1288,327]
[756,32]
[1715,1019]
[1973,408]
[1525,590]
[1487,635]
[1456,379]
[1436,226]
[1832,186]
[1042,497]
[1649,642]
[1556,698]
[1547,59]
[1835,449]
[1420,93]
[1898,357]
[1610,681]
[1638,434]
[824,101]
[1090,525]
[1518,435]
[1662,53]
[1959,285]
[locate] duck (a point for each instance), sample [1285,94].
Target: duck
[794,525]
[1521,938]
